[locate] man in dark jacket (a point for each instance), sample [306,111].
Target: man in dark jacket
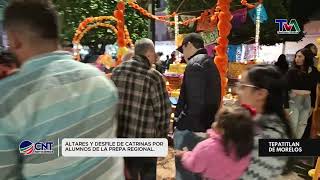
[199,99]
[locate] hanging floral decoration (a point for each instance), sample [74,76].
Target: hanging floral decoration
[88,22]
[121,35]
[93,26]
[165,19]
[208,21]
[250,5]
[94,22]
[221,17]
[224,27]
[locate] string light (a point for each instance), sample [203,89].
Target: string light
[258,21]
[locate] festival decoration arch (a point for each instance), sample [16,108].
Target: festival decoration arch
[222,17]
[94,22]
[123,36]
[81,34]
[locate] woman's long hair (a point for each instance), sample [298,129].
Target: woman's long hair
[308,59]
[309,46]
[269,78]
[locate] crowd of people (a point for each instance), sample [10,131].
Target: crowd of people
[160,65]
[46,95]
[302,79]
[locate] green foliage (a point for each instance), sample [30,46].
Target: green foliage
[246,33]
[73,12]
[268,30]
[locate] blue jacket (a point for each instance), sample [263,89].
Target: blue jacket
[200,94]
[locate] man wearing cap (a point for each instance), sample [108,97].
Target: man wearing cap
[199,98]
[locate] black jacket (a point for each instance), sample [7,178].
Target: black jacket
[303,81]
[200,94]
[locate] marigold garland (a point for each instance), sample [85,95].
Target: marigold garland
[93,26]
[222,16]
[88,21]
[119,14]
[123,36]
[94,22]
[251,6]
[224,27]
[144,12]
[84,28]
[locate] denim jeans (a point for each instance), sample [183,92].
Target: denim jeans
[300,109]
[183,139]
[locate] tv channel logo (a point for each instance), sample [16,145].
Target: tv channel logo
[287,28]
[27,147]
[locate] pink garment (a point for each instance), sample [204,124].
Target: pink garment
[209,159]
[210,50]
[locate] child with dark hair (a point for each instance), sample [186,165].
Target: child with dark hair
[8,64]
[226,153]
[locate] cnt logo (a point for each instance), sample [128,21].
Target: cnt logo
[28,148]
[287,28]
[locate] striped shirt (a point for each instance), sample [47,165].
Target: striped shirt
[51,98]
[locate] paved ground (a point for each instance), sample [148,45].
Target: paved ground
[292,176]
[166,169]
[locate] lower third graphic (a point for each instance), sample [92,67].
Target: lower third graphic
[27,147]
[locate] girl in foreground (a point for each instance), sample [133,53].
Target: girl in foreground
[225,155]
